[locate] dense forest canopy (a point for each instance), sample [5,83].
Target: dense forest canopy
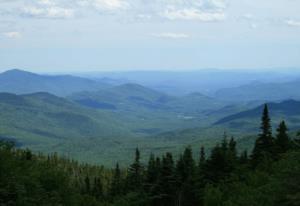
[269,175]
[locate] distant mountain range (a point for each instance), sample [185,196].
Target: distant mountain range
[261,91]
[205,81]
[229,86]
[22,82]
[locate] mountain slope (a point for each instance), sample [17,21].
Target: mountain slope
[22,82]
[39,117]
[195,104]
[288,110]
[150,111]
[126,97]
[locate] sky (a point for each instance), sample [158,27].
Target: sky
[122,35]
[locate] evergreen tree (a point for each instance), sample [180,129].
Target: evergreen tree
[87,185]
[215,165]
[222,161]
[116,186]
[158,165]
[135,174]
[152,176]
[199,177]
[244,157]
[231,155]
[189,163]
[97,188]
[185,172]
[202,158]
[27,154]
[232,147]
[155,180]
[167,182]
[282,139]
[152,171]
[264,145]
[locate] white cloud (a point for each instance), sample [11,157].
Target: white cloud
[46,2]
[170,35]
[293,23]
[200,10]
[212,4]
[194,14]
[111,4]
[13,35]
[105,5]
[48,12]
[196,10]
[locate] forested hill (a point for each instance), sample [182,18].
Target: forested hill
[44,119]
[23,82]
[288,110]
[267,176]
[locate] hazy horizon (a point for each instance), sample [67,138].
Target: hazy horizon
[286,70]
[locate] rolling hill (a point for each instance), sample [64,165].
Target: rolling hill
[123,97]
[22,82]
[102,124]
[47,123]
[151,111]
[36,117]
[131,97]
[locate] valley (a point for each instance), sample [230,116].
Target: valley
[101,123]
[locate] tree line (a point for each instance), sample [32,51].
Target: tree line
[269,175]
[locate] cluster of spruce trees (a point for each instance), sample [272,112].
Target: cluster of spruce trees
[269,176]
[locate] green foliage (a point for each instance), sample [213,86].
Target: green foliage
[213,196]
[224,178]
[46,123]
[282,139]
[135,174]
[116,187]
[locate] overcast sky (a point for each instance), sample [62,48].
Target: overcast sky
[113,35]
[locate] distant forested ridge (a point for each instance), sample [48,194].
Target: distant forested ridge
[267,176]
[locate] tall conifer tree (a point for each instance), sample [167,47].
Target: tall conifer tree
[167,182]
[264,145]
[135,174]
[202,157]
[116,183]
